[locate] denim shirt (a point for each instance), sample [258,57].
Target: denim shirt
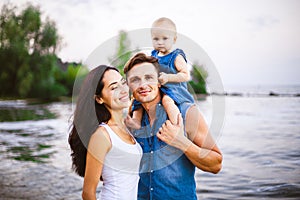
[165,172]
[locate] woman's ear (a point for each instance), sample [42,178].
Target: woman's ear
[98,99]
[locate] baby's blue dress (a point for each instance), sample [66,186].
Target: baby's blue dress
[177,91]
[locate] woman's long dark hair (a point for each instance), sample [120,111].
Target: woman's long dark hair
[87,117]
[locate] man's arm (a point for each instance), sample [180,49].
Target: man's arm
[200,148]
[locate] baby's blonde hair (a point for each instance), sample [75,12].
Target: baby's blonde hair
[166,22]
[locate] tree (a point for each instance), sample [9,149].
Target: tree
[122,54]
[198,82]
[28,58]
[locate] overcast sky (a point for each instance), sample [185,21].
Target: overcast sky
[253,42]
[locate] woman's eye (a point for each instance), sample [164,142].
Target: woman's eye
[134,80]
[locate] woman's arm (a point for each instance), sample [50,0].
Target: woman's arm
[98,147]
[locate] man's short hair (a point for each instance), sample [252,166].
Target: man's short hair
[141,58]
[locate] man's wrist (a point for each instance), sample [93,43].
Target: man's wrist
[185,145]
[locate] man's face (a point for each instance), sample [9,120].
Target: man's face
[143,82]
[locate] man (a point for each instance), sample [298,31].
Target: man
[170,154]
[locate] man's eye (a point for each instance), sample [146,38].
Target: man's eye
[149,77]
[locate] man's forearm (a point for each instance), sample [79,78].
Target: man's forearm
[204,159]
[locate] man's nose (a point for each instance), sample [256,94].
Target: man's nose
[143,83]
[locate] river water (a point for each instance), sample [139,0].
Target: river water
[260,142]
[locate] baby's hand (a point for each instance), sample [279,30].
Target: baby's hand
[163,78]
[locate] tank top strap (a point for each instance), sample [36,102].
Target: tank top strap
[111,133]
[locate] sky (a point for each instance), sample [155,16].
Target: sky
[250,42]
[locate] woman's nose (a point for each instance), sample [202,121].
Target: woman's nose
[125,88]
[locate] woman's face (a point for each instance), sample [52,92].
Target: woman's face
[115,93]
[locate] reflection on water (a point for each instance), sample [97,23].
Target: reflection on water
[20,111]
[26,153]
[27,131]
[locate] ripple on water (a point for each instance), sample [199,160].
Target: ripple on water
[280,190]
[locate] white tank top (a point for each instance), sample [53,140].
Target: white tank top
[121,169]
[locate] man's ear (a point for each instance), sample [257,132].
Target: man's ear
[98,99]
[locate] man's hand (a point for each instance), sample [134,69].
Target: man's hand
[173,134]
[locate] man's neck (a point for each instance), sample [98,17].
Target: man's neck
[150,108]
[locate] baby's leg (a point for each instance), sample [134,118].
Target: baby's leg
[171,109]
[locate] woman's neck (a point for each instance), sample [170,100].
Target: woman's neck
[116,118]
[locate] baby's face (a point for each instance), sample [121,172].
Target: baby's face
[163,39]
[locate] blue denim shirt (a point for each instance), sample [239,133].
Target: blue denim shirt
[165,172]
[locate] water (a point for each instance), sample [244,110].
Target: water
[260,143]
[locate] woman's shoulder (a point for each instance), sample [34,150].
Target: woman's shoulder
[101,134]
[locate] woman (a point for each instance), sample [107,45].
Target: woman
[101,145]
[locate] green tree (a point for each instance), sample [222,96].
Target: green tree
[123,53]
[28,58]
[198,82]
[67,77]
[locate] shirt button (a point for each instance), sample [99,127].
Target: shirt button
[159,104]
[151,151]
[151,171]
[151,189]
